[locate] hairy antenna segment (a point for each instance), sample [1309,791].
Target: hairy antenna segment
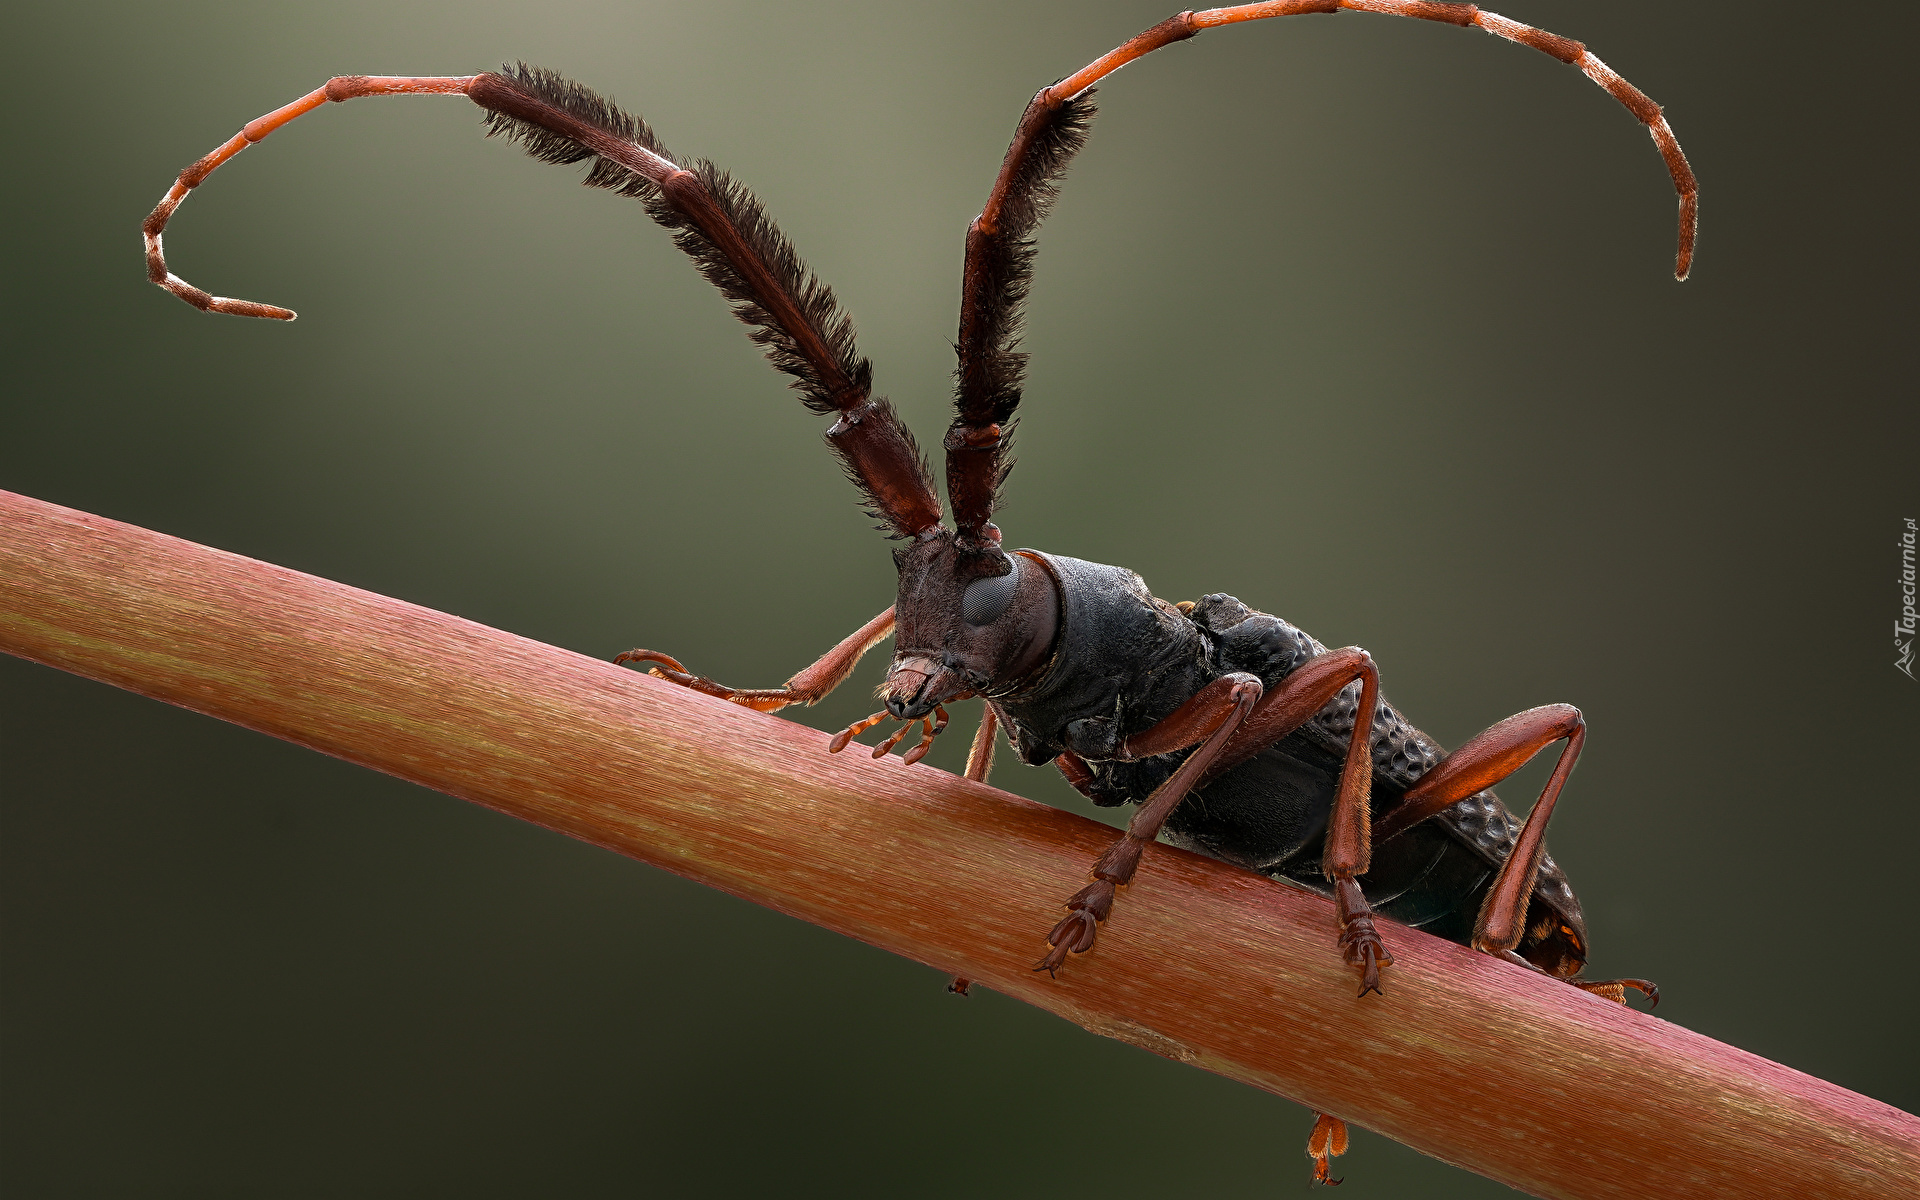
[789,313]
[716,222]
[999,274]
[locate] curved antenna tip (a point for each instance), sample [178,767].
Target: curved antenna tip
[244,308]
[250,308]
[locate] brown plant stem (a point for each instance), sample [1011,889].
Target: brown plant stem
[1466,1058]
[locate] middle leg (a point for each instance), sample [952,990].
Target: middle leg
[1327,1142]
[1349,847]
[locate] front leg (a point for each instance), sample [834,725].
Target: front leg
[805,688]
[1213,714]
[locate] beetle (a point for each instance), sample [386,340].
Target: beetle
[1232,730]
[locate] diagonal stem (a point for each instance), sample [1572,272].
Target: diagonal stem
[1486,1065]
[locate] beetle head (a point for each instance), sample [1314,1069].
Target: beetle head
[969,620]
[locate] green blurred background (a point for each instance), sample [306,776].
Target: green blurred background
[1368,322]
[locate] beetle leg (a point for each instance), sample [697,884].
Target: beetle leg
[1607,989]
[1360,942]
[1213,714]
[1327,1141]
[1076,772]
[980,756]
[1484,761]
[1349,847]
[808,687]
[1616,989]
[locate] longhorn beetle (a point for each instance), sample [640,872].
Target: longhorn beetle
[1230,728]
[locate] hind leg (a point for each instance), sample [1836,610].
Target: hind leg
[1484,761]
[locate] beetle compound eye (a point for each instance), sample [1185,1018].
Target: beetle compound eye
[985,599]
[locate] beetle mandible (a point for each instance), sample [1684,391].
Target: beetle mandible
[1230,728]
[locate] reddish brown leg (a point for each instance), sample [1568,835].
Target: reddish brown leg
[980,756]
[1349,846]
[805,688]
[1616,989]
[1483,762]
[1214,713]
[1327,1141]
[1486,760]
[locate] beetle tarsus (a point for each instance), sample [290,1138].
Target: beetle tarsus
[1095,899]
[1327,1141]
[1360,942]
[1361,946]
[652,656]
[1616,989]
[764,700]
[1369,964]
[1073,935]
